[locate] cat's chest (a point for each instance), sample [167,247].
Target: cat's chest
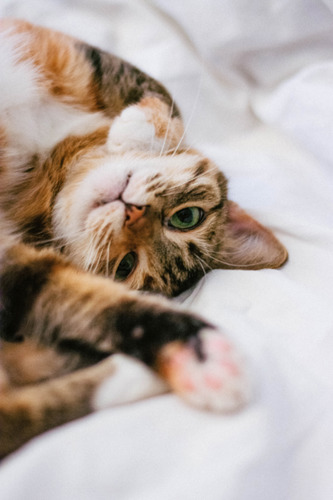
[39,125]
[33,119]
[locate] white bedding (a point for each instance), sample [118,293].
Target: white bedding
[254,80]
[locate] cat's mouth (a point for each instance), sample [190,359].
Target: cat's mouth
[112,202]
[113,194]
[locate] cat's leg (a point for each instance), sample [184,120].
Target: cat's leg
[45,299]
[28,411]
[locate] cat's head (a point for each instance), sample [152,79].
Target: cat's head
[157,222]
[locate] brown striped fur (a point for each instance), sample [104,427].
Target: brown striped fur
[93,166]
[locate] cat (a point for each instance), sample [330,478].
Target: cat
[101,202]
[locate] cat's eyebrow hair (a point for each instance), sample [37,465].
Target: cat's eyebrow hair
[217,207]
[197,192]
[201,168]
[190,193]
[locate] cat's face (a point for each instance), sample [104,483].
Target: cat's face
[141,210]
[154,222]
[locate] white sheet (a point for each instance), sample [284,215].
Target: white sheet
[255,83]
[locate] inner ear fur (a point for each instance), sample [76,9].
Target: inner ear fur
[248,244]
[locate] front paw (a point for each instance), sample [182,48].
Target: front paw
[131,130]
[194,358]
[207,371]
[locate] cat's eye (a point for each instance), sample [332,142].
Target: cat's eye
[126,266]
[187,218]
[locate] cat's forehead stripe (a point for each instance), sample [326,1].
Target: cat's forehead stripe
[201,168]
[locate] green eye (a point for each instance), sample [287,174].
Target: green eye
[126,266]
[187,218]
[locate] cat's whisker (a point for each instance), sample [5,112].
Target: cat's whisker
[98,260]
[203,263]
[104,241]
[99,245]
[107,259]
[152,140]
[168,127]
[188,148]
[191,115]
[229,264]
[96,255]
[60,238]
[63,242]
[88,262]
[183,151]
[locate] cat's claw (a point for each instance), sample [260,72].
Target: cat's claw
[208,373]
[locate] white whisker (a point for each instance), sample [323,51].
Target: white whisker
[62,239]
[107,259]
[191,115]
[152,140]
[168,126]
[229,264]
[203,263]
[88,261]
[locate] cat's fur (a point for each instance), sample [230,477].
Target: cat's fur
[93,167]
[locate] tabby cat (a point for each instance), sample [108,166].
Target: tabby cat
[99,195]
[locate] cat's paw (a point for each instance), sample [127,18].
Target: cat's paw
[131,130]
[207,371]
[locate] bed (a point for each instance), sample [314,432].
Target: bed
[254,81]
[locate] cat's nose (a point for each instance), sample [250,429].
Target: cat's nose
[133,214]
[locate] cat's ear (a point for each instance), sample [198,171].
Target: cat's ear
[248,244]
[148,126]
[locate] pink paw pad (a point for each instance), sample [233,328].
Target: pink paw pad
[218,382]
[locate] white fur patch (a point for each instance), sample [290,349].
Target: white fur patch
[132,131]
[18,81]
[40,125]
[131,381]
[34,120]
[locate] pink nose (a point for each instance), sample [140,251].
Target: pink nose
[133,214]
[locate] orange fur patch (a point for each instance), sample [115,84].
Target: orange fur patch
[34,194]
[65,71]
[27,362]
[159,114]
